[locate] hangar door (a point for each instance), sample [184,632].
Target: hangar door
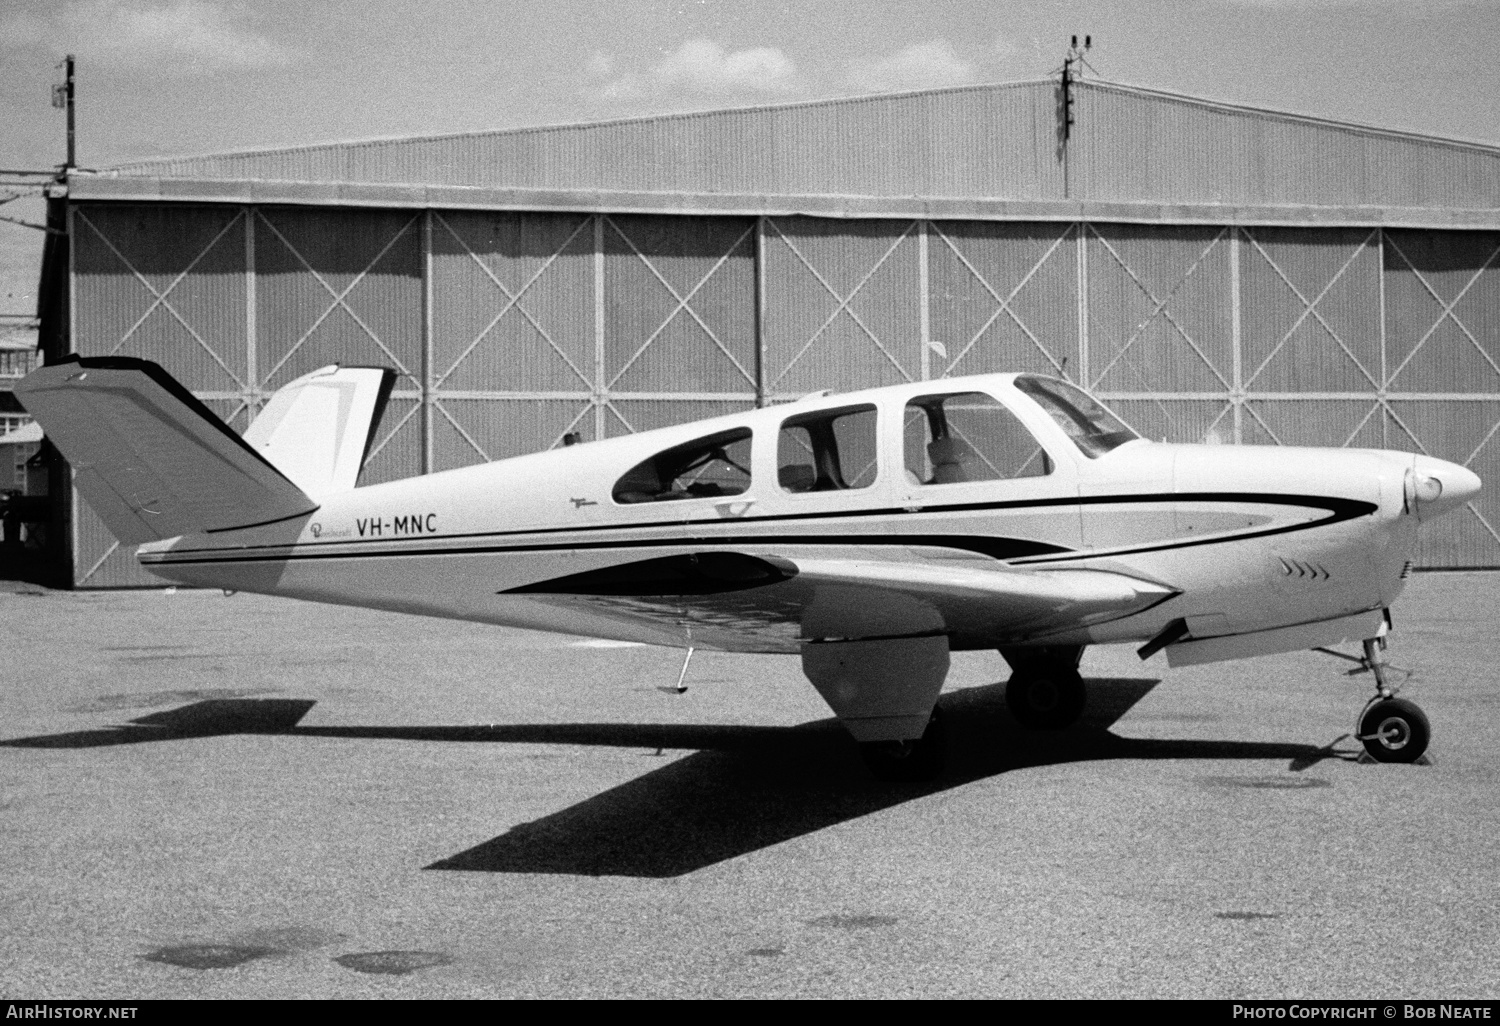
[507,330]
[599,325]
[1357,337]
[511,330]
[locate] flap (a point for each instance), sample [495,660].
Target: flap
[742,601]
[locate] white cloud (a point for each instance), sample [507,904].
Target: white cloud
[919,66]
[700,66]
[601,67]
[172,37]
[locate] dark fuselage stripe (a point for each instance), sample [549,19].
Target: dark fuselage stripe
[985,545]
[1339,510]
[1018,549]
[1332,504]
[263,523]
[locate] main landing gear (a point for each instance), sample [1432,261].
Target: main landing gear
[908,762]
[1045,691]
[1391,729]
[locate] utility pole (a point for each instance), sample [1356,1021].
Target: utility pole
[1065,112]
[62,98]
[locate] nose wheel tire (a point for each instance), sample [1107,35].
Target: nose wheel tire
[1045,699]
[1394,730]
[908,761]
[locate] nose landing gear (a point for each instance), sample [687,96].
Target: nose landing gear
[1391,729]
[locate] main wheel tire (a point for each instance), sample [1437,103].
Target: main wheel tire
[1046,699]
[908,761]
[1394,730]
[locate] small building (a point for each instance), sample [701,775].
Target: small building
[1216,272]
[18,357]
[17,447]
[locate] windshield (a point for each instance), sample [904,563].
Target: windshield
[1091,427]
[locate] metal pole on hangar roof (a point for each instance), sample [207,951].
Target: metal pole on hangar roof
[63,95]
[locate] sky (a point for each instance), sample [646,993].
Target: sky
[166,77]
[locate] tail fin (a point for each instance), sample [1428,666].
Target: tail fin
[151,459]
[317,429]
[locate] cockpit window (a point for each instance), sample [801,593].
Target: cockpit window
[705,467]
[826,451]
[960,437]
[1091,427]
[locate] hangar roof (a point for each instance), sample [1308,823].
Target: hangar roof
[988,151]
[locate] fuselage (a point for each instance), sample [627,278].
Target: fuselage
[1245,538]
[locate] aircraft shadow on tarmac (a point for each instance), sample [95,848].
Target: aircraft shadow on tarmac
[744,788]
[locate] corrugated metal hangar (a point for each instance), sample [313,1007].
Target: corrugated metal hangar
[1215,272]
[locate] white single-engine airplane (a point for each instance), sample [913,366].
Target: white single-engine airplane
[870,533]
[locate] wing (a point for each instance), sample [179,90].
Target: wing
[772,603]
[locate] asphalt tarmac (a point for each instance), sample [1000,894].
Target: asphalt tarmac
[211,796]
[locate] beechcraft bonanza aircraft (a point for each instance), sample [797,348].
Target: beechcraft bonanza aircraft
[870,533]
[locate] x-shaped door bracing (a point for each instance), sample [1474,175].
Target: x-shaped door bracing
[1310,306]
[843,302]
[339,300]
[1447,311]
[1003,304]
[1159,308]
[161,299]
[512,302]
[683,305]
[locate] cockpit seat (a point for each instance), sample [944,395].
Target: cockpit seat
[947,456]
[798,477]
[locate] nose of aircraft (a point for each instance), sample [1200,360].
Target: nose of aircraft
[1436,486]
